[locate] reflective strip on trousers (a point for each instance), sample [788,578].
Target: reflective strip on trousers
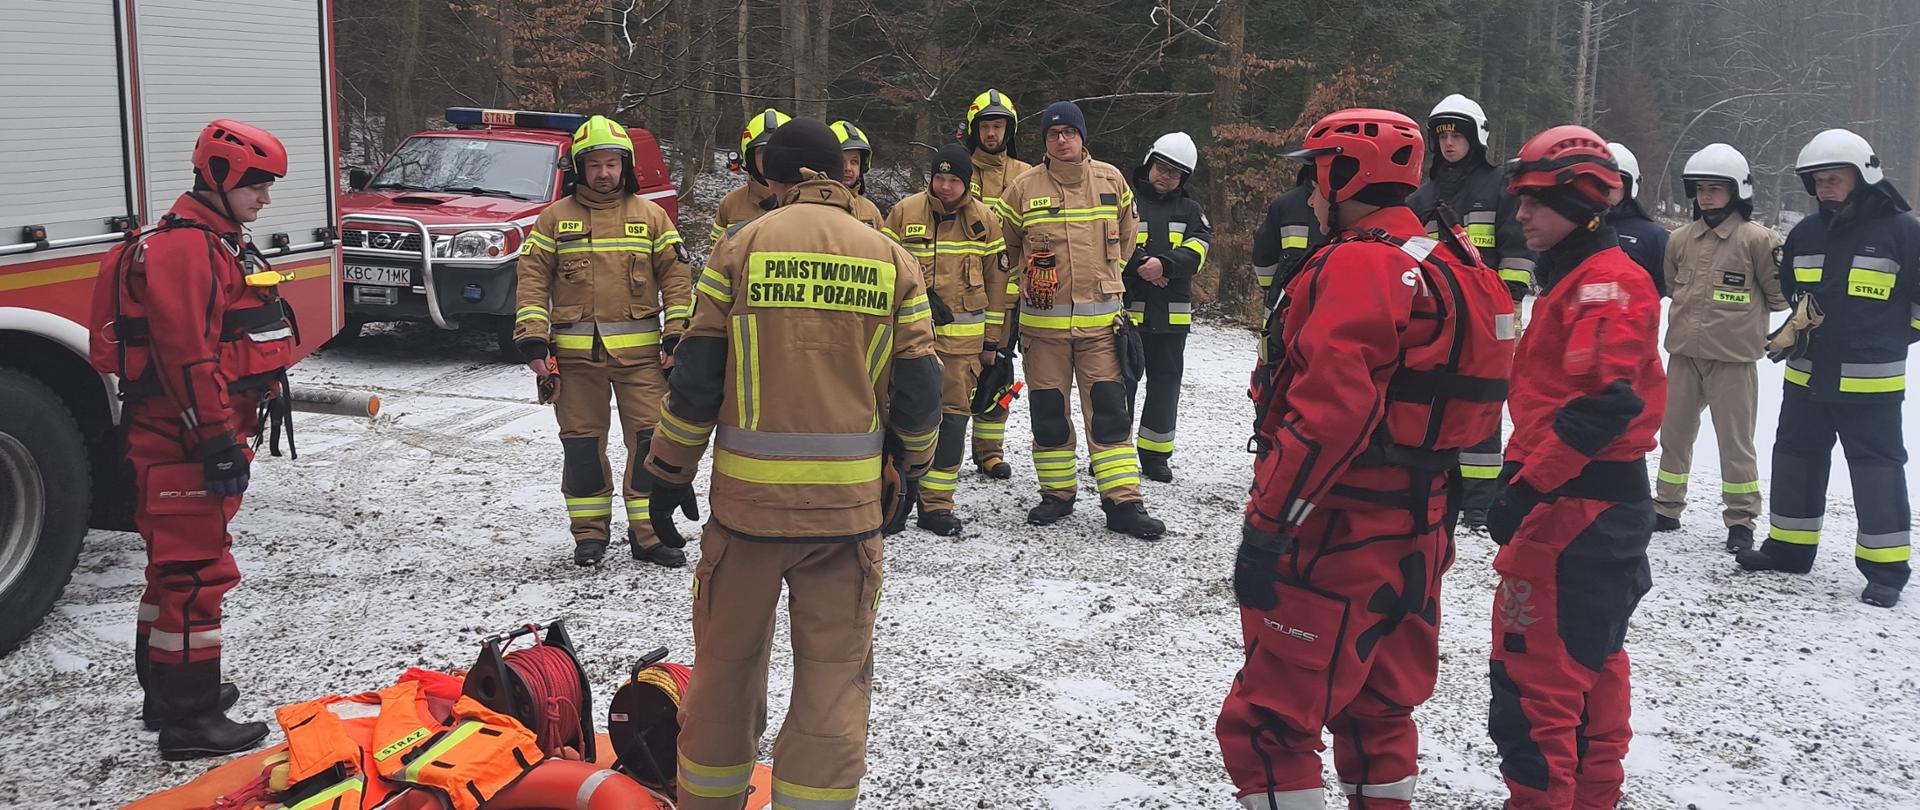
[1057,469]
[1114,468]
[791,796]
[1309,799]
[1069,316]
[1676,478]
[941,480]
[595,506]
[1400,789]
[1798,531]
[1738,487]
[989,430]
[800,445]
[1155,440]
[1873,378]
[637,508]
[1481,466]
[176,642]
[1888,547]
[714,782]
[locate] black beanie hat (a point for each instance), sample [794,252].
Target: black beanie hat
[954,159]
[803,143]
[1567,202]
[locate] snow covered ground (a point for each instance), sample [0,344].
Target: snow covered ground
[1065,668]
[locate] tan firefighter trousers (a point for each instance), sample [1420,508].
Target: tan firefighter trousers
[582,409]
[833,592]
[1055,360]
[962,372]
[1731,391]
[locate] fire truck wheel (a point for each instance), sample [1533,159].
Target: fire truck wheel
[44,492]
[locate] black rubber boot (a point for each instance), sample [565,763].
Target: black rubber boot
[1879,595]
[1131,519]
[1739,539]
[151,711]
[940,522]
[1050,511]
[587,553]
[997,468]
[1760,560]
[1474,520]
[1662,523]
[196,727]
[659,554]
[1154,466]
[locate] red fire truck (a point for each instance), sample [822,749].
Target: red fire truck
[434,233]
[121,90]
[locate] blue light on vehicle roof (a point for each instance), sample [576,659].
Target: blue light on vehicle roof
[559,122]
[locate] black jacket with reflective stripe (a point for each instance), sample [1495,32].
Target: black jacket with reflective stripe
[1862,265]
[1486,213]
[1289,234]
[1175,230]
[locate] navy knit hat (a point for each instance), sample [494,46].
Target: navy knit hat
[954,159]
[803,143]
[1063,113]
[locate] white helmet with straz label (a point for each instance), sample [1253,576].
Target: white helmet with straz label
[1176,149]
[1835,148]
[1718,161]
[1459,108]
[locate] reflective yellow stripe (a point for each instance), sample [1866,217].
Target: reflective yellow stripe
[596,506]
[1798,377]
[459,734]
[1674,478]
[1180,318]
[1516,275]
[710,782]
[1870,283]
[1292,242]
[941,480]
[814,794]
[961,329]
[1479,473]
[531,314]
[679,312]
[1156,446]
[1883,555]
[1796,537]
[1740,487]
[916,442]
[326,797]
[1807,275]
[1481,234]
[915,309]
[1094,214]
[1872,385]
[632,341]
[537,241]
[574,342]
[746,384]
[681,431]
[715,285]
[1733,296]
[796,472]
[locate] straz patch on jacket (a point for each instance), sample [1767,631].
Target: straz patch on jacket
[637,230]
[820,281]
[570,226]
[1038,203]
[916,229]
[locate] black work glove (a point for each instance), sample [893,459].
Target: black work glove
[660,505]
[1512,507]
[1256,565]
[226,468]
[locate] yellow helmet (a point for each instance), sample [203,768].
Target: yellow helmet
[759,129]
[600,132]
[851,139]
[993,104]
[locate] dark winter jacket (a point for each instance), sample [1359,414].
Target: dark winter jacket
[1477,193]
[1286,237]
[1175,230]
[1862,266]
[1643,239]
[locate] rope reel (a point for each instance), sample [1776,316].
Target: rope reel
[542,685]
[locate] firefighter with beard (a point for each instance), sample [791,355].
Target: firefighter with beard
[604,291]
[1397,349]
[957,240]
[991,136]
[1853,275]
[1576,515]
[1169,249]
[856,153]
[1722,271]
[745,203]
[1464,181]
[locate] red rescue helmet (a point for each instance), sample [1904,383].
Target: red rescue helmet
[230,154]
[1353,150]
[1568,156]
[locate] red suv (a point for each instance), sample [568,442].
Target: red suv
[434,233]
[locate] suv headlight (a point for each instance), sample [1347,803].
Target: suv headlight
[470,245]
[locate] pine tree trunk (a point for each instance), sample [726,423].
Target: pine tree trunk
[1234,287]
[405,119]
[1580,89]
[741,28]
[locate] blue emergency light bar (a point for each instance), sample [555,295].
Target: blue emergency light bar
[472,116]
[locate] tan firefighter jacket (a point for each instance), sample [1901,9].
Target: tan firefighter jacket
[742,204]
[1083,213]
[1724,282]
[811,340]
[957,248]
[596,275]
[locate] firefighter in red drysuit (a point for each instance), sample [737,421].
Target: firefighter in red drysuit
[201,348]
[1396,352]
[1577,513]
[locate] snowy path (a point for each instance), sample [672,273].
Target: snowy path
[1017,668]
